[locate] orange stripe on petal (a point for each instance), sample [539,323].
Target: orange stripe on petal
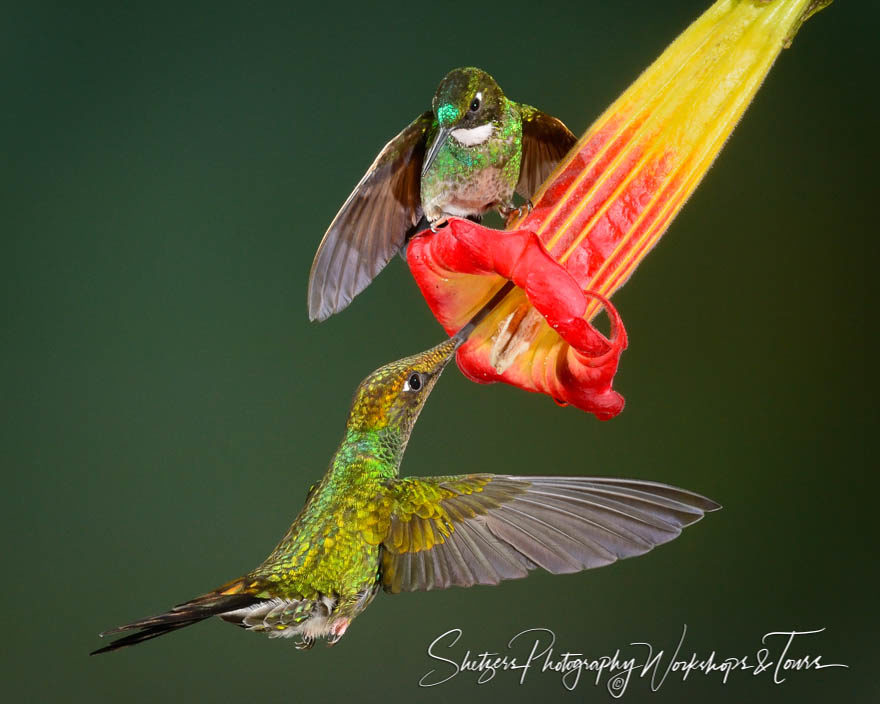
[609,202]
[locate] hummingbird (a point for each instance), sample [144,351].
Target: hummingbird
[363,528]
[463,157]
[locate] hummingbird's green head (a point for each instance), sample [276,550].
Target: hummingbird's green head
[393,396]
[469,106]
[467,98]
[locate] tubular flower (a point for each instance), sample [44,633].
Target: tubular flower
[600,213]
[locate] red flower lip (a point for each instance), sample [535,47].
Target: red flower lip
[599,214]
[582,369]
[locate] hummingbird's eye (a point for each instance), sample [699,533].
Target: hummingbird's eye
[414,383]
[475,104]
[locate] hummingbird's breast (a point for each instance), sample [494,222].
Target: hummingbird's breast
[470,179]
[475,195]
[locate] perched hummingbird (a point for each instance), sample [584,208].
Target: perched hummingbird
[464,157]
[363,527]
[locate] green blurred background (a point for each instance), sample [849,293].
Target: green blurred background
[169,171]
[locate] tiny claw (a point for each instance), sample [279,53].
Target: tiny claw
[337,630]
[305,644]
[512,214]
[438,223]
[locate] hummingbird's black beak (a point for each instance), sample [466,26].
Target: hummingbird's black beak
[442,135]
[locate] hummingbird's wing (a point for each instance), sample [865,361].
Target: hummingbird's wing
[545,140]
[438,532]
[372,224]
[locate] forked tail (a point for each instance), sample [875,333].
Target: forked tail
[180,616]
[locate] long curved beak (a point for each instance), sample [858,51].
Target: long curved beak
[439,140]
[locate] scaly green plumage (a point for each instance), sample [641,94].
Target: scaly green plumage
[363,528]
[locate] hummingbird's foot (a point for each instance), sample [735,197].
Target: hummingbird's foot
[306,643]
[510,213]
[438,223]
[337,630]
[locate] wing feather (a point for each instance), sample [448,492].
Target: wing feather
[483,528]
[372,224]
[546,140]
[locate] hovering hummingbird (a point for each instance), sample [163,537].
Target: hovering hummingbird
[363,528]
[464,157]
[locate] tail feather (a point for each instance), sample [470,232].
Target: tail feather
[180,616]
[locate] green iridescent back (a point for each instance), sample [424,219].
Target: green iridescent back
[325,547]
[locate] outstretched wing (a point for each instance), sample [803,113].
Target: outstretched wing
[372,224]
[545,140]
[439,532]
